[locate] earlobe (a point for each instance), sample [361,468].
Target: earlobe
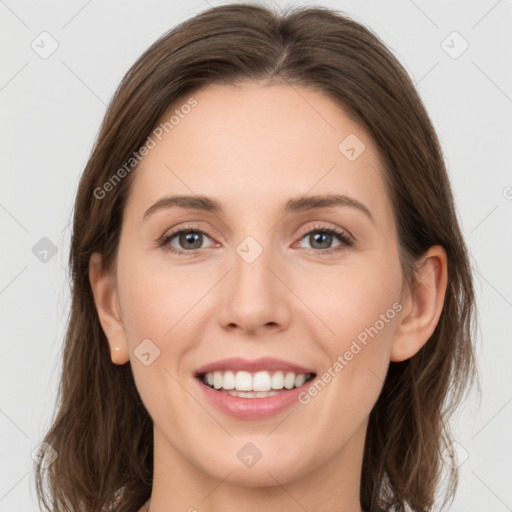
[422,305]
[107,306]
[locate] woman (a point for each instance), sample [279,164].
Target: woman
[272,303]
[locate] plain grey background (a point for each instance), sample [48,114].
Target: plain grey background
[459,55]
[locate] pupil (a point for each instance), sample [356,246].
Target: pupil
[193,238]
[318,238]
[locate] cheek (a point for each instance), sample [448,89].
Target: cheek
[147,310]
[357,360]
[352,298]
[360,306]
[156,305]
[153,296]
[161,304]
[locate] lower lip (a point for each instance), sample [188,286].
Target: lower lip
[253,408]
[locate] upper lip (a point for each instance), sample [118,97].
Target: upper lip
[241,364]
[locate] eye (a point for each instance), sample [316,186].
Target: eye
[189,240]
[321,238]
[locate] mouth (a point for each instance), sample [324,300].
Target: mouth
[260,384]
[253,389]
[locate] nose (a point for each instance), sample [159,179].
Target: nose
[255,298]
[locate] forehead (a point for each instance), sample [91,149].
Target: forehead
[255,144]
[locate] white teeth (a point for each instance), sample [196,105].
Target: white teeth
[299,380]
[252,394]
[243,381]
[261,383]
[278,380]
[289,380]
[217,380]
[229,380]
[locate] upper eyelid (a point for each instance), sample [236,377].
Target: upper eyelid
[326,227]
[302,232]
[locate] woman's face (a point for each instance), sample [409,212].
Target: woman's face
[254,279]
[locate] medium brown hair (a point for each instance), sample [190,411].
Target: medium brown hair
[101,430]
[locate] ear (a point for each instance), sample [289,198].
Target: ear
[105,297]
[422,306]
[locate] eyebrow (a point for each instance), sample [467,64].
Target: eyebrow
[304,203]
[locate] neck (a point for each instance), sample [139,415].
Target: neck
[183,485]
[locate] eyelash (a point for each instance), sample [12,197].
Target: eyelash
[344,238]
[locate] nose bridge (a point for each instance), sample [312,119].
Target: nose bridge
[255,297]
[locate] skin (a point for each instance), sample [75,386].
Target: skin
[251,148]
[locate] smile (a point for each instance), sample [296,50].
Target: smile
[259,384]
[252,407]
